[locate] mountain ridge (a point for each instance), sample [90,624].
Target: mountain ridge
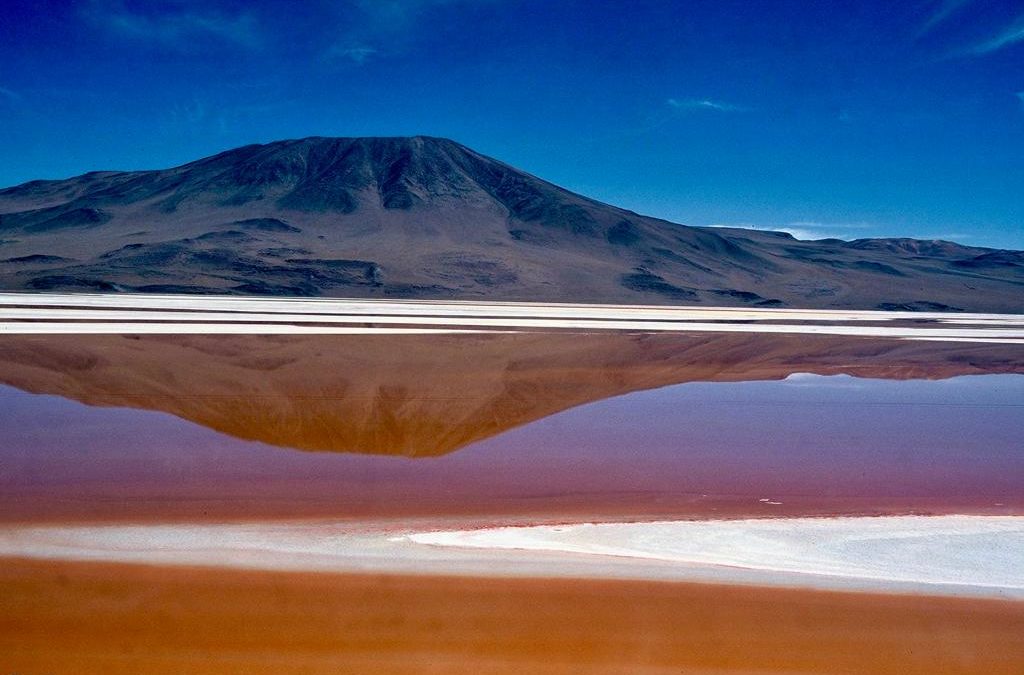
[426,217]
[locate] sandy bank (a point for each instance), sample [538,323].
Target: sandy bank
[63,617]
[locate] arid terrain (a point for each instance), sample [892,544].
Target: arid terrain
[100,618]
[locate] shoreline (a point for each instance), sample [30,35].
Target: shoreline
[43,313]
[820,547]
[816,553]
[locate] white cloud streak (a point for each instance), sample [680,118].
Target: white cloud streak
[1008,37]
[703,104]
[808,230]
[945,10]
[358,54]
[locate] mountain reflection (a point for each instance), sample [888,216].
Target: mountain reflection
[421,396]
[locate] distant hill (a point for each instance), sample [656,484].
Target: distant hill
[427,217]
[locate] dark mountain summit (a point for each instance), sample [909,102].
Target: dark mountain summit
[429,218]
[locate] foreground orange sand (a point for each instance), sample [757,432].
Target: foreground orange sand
[65,617]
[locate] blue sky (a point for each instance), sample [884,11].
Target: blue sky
[851,119]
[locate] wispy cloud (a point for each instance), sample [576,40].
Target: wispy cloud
[675,108]
[1002,38]
[961,18]
[1020,97]
[944,10]
[358,54]
[175,26]
[809,230]
[946,236]
[703,104]
[1007,37]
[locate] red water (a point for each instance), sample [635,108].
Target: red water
[815,445]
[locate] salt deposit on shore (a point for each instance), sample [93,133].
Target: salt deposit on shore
[957,555]
[125,313]
[982,551]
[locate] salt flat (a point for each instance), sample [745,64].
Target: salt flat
[983,551]
[124,313]
[945,555]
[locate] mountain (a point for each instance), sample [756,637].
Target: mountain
[423,396]
[427,217]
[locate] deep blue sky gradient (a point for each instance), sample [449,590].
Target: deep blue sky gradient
[851,119]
